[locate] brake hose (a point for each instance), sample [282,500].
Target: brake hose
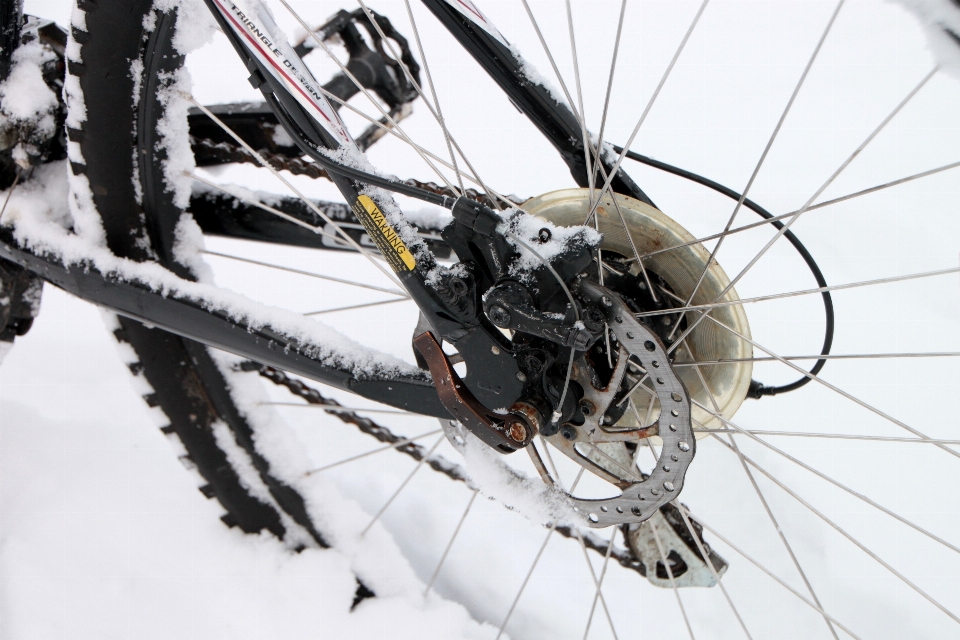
[758,389]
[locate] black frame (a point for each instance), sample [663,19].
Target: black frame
[185,317]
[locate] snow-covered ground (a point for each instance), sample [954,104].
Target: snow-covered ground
[103,534]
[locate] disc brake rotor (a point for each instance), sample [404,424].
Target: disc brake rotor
[679,270]
[632,387]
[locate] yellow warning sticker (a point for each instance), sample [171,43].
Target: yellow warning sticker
[383,235]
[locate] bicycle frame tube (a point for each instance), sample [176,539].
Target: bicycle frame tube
[291,91]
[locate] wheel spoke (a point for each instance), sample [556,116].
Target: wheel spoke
[826,203]
[583,114]
[536,559]
[809,202]
[336,408]
[357,306]
[812,470]
[437,115]
[435,107]
[598,583]
[706,556]
[836,389]
[290,186]
[766,505]
[848,536]
[834,436]
[673,583]
[771,574]
[793,294]
[403,485]
[446,550]
[343,69]
[606,99]
[853,356]
[832,481]
[756,169]
[320,276]
[394,445]
[646,110]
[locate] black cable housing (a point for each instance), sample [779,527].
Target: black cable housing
[758,389]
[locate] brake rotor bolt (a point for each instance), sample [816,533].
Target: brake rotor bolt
[586,408]
[568,432]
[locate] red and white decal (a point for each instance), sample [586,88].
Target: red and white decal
[469,10]
[252,22]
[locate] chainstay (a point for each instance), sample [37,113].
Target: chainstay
[455,472]
[225,152]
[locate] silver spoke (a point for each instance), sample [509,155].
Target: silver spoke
[416,85]
[388,447]
[353,243]
[827,478]
[526,578]
[809,202]
[390,130]
[433,90]
[706,556]
[766,505]
[363,90]
[817,473]
[357,306]
[820,205]
[583,114]
[763,157]
[13,187]
[320,276]
[263,206]
[606,99]
[336,408]
[403,484]
[646,110]
[832,436]
[446,550]
[801,292]
[849,537]
[772,575]
[853,356]
[836,389]
[673,583]
[598,595]
[603,602]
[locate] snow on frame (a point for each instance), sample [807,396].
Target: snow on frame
[37,213]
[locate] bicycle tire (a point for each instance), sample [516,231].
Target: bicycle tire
[186,383]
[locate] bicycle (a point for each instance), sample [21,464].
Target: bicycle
[561,345]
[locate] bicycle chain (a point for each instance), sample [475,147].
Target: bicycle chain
[455,472]
[225,152]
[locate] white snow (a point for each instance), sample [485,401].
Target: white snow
[103,535]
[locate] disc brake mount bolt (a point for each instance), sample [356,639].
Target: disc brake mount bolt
[516,432]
